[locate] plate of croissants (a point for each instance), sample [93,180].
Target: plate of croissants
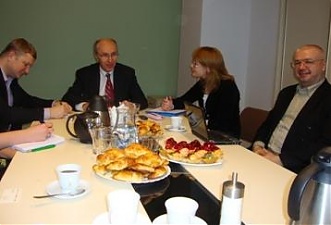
[135,164]
[149,128]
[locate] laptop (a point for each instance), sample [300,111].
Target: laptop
[197,121]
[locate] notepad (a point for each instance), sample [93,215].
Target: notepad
[28,147]
[170,113]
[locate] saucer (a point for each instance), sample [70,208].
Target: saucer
[179,129]
[163,220]
[54,188]
[103,219]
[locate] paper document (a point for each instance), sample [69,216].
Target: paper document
[27,147]
[170,113]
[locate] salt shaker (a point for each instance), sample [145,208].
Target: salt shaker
[232,199]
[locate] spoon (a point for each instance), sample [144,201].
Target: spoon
[77,192]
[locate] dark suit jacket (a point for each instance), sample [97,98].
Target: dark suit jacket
[87,83]
[310,131]
[222,106]
[25,109]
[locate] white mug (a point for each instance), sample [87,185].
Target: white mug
[68,176]
[176,122]
[123,206]
[180,210]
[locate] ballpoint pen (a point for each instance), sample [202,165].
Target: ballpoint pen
[42,148]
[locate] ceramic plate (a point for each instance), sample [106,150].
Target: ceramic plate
[103,219]
[218,162]
[54,188]
[140,182]
[170,128]
[163,220]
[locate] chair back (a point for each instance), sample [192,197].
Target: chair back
[251,119]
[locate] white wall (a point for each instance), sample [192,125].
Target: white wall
[190,40]
[262,57]
[246,31]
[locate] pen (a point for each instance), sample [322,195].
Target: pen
[43,148]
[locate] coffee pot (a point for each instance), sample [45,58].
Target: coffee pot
[309,200]
[98,105]
[96,115]
[81,124]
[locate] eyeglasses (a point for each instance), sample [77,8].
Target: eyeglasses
[306,62]
[105,56]
[195,63]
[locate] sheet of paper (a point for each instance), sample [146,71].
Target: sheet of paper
[52,140]
[10,195]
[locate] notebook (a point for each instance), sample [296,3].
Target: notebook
[159,111]
[197,121]
[28,147]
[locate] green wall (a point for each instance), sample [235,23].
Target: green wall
[63,32]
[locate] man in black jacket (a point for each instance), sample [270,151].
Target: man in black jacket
[17,107]
[299,124]
[91,80]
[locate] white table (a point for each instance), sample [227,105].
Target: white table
[265,200]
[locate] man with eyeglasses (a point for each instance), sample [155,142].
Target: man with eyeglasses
[94,80]
[299,124]
[17,107]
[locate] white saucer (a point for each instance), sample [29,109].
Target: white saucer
[179,129]
[163,220]
[103,219]
[54,188]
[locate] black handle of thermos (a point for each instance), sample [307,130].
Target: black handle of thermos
[71,117]
[297,188]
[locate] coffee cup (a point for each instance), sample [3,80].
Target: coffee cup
[123,206]
[68,177]
[180,210]
[176,122]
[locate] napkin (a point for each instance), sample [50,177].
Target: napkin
[49,142]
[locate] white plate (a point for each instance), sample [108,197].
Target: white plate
[103,219]
[54,188]
[163,220]
[218,162]
[140,182]
[179,129]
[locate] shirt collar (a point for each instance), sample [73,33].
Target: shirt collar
[5,77]
[310,89]
[103,73]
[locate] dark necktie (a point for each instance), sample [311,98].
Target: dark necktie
[109,91]
[9,93]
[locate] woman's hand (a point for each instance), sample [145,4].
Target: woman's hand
[167,104]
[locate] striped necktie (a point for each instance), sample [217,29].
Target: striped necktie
[109,92]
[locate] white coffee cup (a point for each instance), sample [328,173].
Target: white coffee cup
[123,206]
[68,177]
[176,122]
[180,210]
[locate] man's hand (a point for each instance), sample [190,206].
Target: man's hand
[60,111]
[274,157]
[39,132]
[85,106]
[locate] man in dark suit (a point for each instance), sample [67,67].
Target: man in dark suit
[299,124]
[17,107]
[92,80]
